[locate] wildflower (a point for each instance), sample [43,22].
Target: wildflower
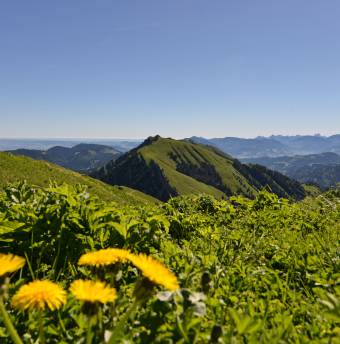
[10,263]
[155,271]
[93,291]
[104,257]
[39,295]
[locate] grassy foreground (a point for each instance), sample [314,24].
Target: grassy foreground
[250,271]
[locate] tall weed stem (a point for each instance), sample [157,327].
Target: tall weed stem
[8,323]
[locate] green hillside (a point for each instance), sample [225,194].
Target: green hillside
[325,176]
[41,173]
[165,167]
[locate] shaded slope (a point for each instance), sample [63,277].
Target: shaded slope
[321,169]
[281,185]
[325,176]
[165,167]
[18,168]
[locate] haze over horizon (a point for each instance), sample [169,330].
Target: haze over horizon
[124,69]
[143,138]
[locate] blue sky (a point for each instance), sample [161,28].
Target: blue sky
[130,69]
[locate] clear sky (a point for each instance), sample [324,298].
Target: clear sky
[130,69]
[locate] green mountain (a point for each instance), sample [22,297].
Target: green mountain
[83,157]
[165,168]
[325,176]
[41,173]
[321,169]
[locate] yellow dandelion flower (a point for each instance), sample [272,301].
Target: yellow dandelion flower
[104,257]
[39,295]
[93,291]
[155,271]
[10,263]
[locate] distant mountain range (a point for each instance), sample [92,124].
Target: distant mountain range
[165,168]
[121,145]
[82,157]
[172,162]
[321,169]
[273,146]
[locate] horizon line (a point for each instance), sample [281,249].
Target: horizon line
[165,136]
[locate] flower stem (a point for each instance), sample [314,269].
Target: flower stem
[119,329]
[41,329]
[8,323]
[89,331]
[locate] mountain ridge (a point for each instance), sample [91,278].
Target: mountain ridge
[164,167]
[274,145]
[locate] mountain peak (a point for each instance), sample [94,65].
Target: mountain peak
[149,140]
[166,168]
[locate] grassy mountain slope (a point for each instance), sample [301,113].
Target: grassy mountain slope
[82,157]
[18,168]
[166,167]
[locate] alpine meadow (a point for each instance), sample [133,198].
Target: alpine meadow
[170,172]
[196,269]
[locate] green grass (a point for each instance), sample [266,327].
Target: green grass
[195,155]
[312,190]
[250,271]
[41,173]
